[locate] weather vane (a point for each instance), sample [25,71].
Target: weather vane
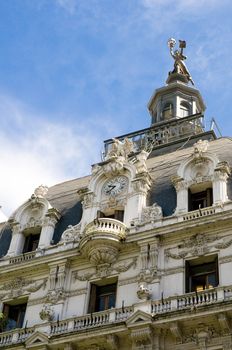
[179,57]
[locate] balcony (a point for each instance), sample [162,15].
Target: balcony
[166,307]
[22,257]
[70,325]
[163,133]
[195,214]
[101,240]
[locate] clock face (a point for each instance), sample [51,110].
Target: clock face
[115,186]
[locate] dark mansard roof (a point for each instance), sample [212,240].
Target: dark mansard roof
[163,164]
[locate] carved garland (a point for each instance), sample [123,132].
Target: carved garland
[20,286]
[105,270]
[198,244]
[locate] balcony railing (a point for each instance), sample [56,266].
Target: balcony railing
[107,317]
[22,257]
[199,213]
[106,225]
[197,298]
[162,133]
[15,336]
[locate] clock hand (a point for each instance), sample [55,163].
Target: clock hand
[111,188]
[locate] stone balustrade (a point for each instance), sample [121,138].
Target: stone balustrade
[15,336]
[198,298]
[22,257]
[97,319]
[106,225]
[199,213]
[162,133]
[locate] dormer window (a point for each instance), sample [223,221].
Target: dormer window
[200,199]
[31,241]
[184,110]
[167,112]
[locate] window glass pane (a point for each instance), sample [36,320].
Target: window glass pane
[111,301]
[15,316]
[212,281]
[201,276]
[102,303]
[105,297]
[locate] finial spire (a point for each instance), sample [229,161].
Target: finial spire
[179,57]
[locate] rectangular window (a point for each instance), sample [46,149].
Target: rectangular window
[31,243]
[14,315]
[201,199]
[201,274]
[102,297]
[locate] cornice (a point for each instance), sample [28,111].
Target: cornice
[216,222]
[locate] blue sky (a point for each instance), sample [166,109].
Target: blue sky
[76,72]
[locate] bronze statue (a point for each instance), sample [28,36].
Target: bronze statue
[179,57]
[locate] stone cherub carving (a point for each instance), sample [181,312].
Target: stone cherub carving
[47,313]
[179,57]
[117,156]
[120,149]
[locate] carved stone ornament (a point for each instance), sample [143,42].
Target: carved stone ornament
[140,163]
[141,337]
[32,222]
[117,157]
[141,183]
[201,335]
[120,149]
[200,147]
[88,199]
[105,270]
[149,215]
[47,313]
[143,291]
[197,245]
[55,296]
[20,286]
[112,341]
[41,191]
[179,183]
[71,234]
[112,202]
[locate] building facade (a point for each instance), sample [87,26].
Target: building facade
[137,255]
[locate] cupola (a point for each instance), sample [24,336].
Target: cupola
[177,99]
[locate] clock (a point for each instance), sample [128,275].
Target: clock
[115,186]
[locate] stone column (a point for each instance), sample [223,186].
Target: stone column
[137,198]
[221,174]
[48,228]
[89,207]
[144,257]
[182,195]
[17,240]
[154,252]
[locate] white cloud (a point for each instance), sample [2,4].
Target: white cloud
[181,5]
[40,151]
[68,5]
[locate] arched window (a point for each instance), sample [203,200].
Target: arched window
[184,109]
[167,112]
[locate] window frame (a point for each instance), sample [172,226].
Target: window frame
[200,196]
[9,308]
[97,292]
[198,263]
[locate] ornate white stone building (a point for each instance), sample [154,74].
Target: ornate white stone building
[137,255]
